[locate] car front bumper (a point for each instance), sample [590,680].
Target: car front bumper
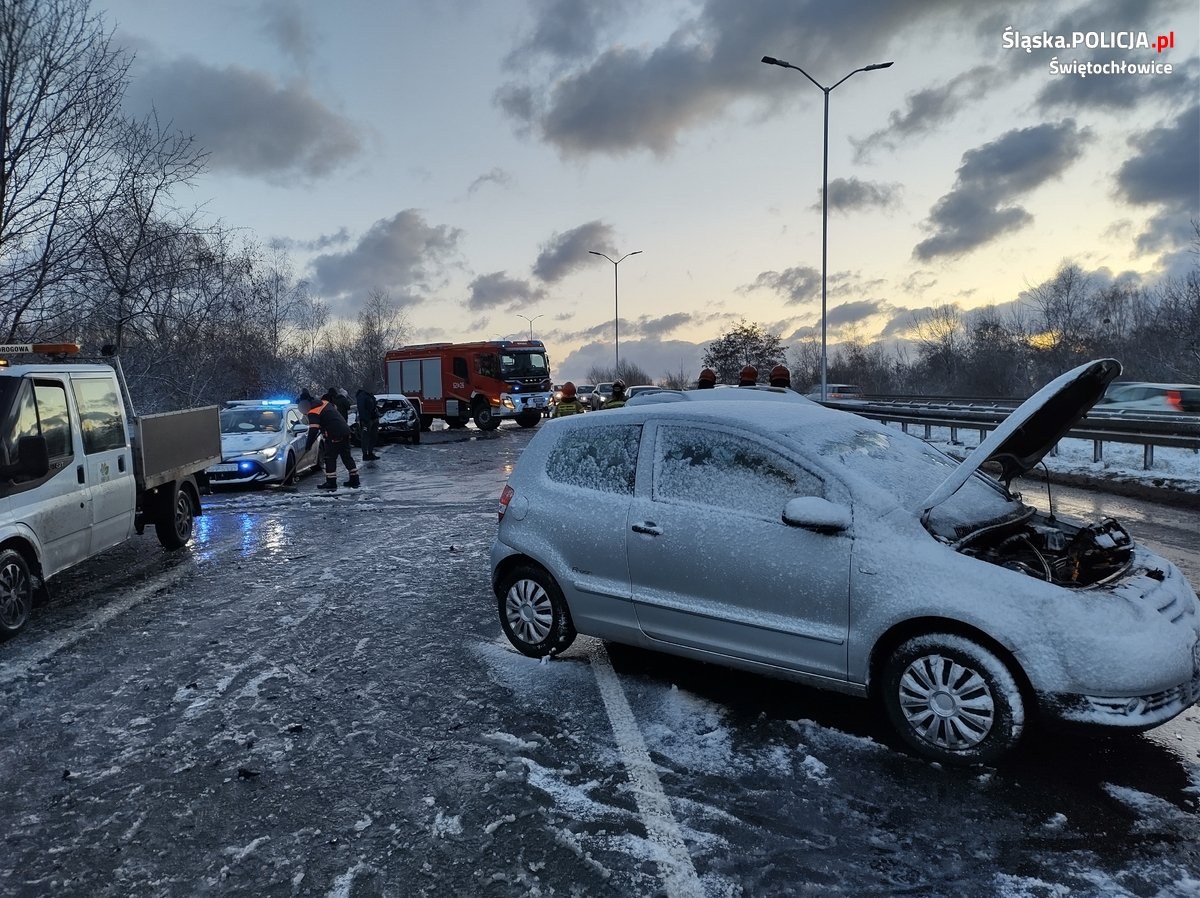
[241,471]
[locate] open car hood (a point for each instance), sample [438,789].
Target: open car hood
[1021,439]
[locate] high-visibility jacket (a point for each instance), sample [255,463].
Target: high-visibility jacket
[324,418]
[568,407]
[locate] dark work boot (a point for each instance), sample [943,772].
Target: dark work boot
[353,481]
[329,484]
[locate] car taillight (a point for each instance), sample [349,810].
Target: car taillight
[505,497]
[1175,400]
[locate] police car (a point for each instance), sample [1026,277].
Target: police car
[262,441]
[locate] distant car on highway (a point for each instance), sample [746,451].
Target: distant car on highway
[836,392]
[1152,397]
[639,389]
[598,396]
[262,441]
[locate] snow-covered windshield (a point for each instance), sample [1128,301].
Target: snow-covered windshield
[909,469]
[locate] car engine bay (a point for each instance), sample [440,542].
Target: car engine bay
[1046,547]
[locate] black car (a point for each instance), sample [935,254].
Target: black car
[399,420]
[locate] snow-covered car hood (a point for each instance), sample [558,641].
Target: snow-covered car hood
[241,443]
[1026,435]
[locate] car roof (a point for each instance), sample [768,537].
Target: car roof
[744,411]
[757,393]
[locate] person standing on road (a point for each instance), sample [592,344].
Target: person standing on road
[340,400]
[324,419]
[618,396]
[368,421]
[569,404]
[707,379]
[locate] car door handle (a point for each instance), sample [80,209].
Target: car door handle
[648,527]
[79,475]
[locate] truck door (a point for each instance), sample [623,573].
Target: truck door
[108,461]
[56,507]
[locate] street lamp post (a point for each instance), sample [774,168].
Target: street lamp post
[616,307]
[771,60]
[530,320]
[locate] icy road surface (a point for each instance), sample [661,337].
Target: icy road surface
[315,700]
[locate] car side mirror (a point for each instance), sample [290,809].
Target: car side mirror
[816,514]
[299,427]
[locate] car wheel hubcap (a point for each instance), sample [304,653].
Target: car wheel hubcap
[14,598]
[528,611]
[945,703]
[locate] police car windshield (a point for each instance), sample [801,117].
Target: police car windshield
[250,420]
[523,364]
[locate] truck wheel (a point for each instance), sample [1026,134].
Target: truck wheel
[16,592]
[426,422]
[175,529]
[485,418]
[529,419]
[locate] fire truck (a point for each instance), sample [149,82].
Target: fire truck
[487,382]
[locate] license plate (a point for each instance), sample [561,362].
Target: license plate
[540,402]
[223,469]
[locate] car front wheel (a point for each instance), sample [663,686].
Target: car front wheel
[16,592]
[952,700]
[533,612]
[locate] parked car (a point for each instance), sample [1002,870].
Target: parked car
[262,441]
[1150,397]
[836,392]
[600,395]
[639,389]
[818,545]
[399,420]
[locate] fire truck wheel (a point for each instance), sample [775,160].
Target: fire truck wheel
[533,613]
[426,422]
[456,423]
[484,418]
[174,526]
[529,419]
[16,592]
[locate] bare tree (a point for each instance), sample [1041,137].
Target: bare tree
[61,85]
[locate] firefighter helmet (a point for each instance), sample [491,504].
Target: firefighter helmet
[748,377]
[707,377]
[568,390]
[780,376]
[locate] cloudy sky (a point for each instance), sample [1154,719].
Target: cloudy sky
[466,155]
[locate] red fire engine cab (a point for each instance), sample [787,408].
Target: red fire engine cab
[488,381]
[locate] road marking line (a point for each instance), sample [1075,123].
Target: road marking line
[674,861]
[38,652]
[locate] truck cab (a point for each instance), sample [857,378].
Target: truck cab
[78,475]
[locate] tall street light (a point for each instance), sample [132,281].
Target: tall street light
[616,307]
[530,320]
[771,60]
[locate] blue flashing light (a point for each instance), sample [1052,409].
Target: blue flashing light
[246,466]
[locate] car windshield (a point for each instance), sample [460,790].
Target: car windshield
[250,420]
[909,470]
[523,364]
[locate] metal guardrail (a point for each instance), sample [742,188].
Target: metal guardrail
[1115,426]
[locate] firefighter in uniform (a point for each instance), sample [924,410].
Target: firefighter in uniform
[569,404]
[325,419]
[707,379]
[618,396]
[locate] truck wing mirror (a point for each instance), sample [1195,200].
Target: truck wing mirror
[33,457]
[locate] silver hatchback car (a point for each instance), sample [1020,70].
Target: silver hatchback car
[775,535]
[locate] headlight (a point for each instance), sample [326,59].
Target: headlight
[269,453]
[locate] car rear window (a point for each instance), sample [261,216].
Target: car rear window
[597,458]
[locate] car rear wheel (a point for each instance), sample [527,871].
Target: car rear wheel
[533,612]
[16,592]
[952,700]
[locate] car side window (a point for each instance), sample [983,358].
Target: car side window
[726,471]
[51,398]
[99,414]
[597,458]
